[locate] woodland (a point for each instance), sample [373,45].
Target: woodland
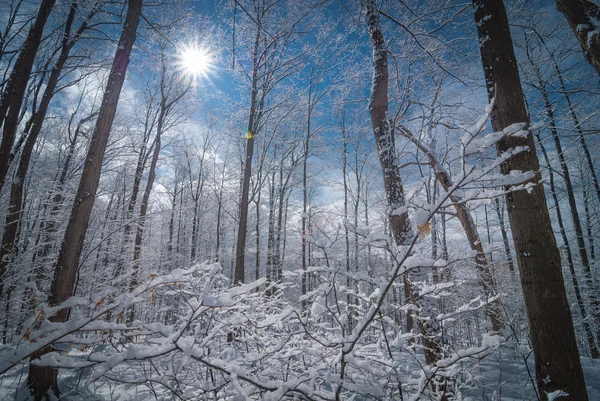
[299,200]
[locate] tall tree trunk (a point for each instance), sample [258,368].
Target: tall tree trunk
[305,205]
[219,219]
[240,252]
[139,235]
[505,242]
[466,220]
[581,246]
[551,327]
[11,233]
[14,91]
[582,16]
[257,228]
[172,227]
[281,227]
[588,219]
[42,379]
[580,302]
[149,122]
[577,127]
[384,137]
[270,270]
[349,300]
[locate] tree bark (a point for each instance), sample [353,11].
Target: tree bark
[581,246]
[580,302]
[505,242]
[580,15]
[40,379]
[11,233]
[240,251]
[466,221]
[577,127]
[383,132]
[14,92]
[551,327]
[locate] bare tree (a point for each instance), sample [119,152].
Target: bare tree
[14,92]
[271,62]
[383,131]
[551,327]
[172,90]
[11,235]
[42,379]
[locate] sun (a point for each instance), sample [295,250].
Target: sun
[196,61]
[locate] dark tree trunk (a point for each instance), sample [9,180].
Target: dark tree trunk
[240,252]
[305,208]
[14,92]
[577,127]
[551,327]
[172,226]
[257,228]
[40,379]
[11,233]
[383,132]
[581,246]
[270,270]
[505,242]
[219,219]
[149,123]
[588,220]
[139,234]
[345,145]
[466,221]
[582,16]
[580,302]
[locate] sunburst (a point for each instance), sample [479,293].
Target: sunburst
[196,61]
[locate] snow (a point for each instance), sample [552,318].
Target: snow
[399,211]
[555,395]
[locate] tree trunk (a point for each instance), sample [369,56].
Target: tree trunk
[588,219]
[270,270]
[11,233]
[135,189]
[139,235]
[14,92]
[172,227]
[41,379]
[345,145]
[581,246]
[551,327]
[257,228]
[466,221]
[500,213]
[195,218]
[577,127]
[240,252]
[580,302]
[384,137]
[219,218]
[582,16]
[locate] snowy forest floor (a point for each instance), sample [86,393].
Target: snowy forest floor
[501,376]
